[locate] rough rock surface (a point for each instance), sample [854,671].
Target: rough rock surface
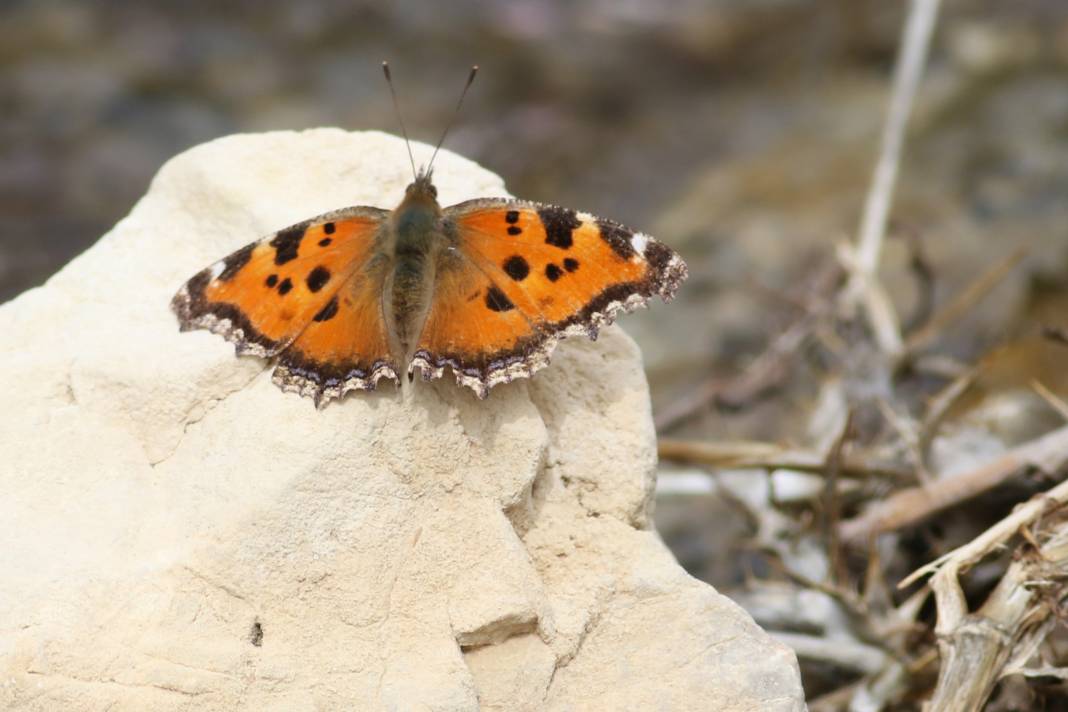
[177,534]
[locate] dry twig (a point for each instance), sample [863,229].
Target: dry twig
[964,557]
[978,648]
[1056,334]
[845,654]
[831,503]
[1055,402]
[915,504]
[767,456]
[963,302]
[770,368]
[908,71]
[939,407]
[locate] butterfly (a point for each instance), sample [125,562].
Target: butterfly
[485,288]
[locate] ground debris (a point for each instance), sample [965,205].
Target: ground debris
[904,523]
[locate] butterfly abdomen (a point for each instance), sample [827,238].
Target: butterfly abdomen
[416,241]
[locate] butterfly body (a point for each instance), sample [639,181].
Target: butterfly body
[485,288]
[415,241]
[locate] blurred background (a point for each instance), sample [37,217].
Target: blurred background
[741,132]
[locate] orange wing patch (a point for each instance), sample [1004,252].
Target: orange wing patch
[295,293]
[533,275]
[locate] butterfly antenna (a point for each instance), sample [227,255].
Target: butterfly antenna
[470,79]
[400,119]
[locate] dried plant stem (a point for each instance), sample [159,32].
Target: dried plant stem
[771,367]
[976,647]
[767,456]
[915,504]
[834,701]
[962,558]
[972,294]
[832,506]
[766,371]
[940,405]
[1054,401]
[907,74]
[846,654]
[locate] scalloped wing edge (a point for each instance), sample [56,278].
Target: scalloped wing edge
[290,381]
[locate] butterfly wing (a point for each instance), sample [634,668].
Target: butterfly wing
[523,276]
[309,294]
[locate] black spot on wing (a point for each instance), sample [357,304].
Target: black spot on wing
[328,312]
[553,272]
[513,230]
[498,301]
[559,223]
[517,268]
[285,286]
[511,217]
[272,280]
[571,264]
[235,262]
[325,241]
[328,228]
[617,237]
[287,242]
[318,278]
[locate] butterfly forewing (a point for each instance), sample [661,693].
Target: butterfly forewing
[302,292]
[529,275]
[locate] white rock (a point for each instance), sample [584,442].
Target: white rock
[178,534]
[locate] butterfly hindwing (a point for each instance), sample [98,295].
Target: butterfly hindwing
[301,294]
[525,276]
[345,345]
[471,322]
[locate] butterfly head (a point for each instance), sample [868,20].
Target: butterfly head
[422,190]
[422,187]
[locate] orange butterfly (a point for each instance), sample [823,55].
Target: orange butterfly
[486,287]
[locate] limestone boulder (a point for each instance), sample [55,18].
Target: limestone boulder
[178,534]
